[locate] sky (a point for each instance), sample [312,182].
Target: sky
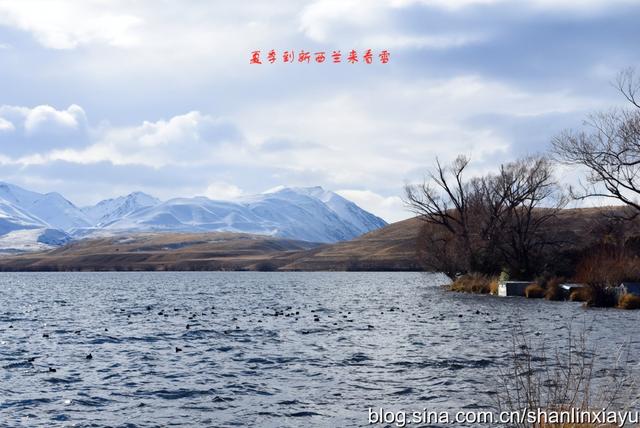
[101,98]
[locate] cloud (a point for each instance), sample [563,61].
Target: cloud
[442,41]
[190,138]
[41,128]
[6,126]
[67,25]
[389,208]
[187,115]
[46,119]
[456,5]
[380,138]
[223,191]
[375,24]
[385,136]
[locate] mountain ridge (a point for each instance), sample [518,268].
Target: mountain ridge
[310,214]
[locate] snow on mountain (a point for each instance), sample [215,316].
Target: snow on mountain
[309,214]
[49,210]
[360,219]
[190,214]
[18,241]
[312,212]
[13,218]
[111,210]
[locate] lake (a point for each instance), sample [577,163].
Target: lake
[261,349]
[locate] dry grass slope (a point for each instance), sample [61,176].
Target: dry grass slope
[392,248]
[144,252]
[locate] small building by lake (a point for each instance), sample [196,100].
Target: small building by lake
[513,288]
[570,287]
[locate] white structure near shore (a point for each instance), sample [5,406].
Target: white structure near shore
[571,287]
[512,288]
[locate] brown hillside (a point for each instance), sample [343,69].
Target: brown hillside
[390,248]
[393,247]
[173,251]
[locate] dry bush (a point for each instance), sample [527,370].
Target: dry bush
[580,295]
[602,297]
[629,301]
[595,296]
[554,292]
[534,291]
[608,267]
[493,286]
[472,283]
[563,378]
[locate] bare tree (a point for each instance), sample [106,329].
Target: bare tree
[444,200]
[442,197]
[533,200]
[486,223]
[438,250]
[609,148]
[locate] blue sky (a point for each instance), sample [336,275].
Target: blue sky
[98,98]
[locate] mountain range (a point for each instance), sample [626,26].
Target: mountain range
[300,213]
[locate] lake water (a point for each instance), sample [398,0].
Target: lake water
[341,343]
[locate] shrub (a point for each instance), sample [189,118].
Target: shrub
[472,283]
[554,292]
[602,297]
[607,267]
[629,301]
[493,286]
[595,297]
[534,291]
[580,294]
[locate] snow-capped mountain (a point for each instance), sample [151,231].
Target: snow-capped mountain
[311,214]
[50,210]
[31,221]
[296,213]
[111,210]
[362,220]
[18,241]
[13,218]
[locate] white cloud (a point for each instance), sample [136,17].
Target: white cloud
[46,119]
[443,41]
[445,4]
[541,4]
[367,24]
[389,208]
[220,190]
[67,24]
[370,22]
[383,137]
[42,128]
[188,139]
[6,126]
[343,139]
[318,17]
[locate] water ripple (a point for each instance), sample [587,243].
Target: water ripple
[269,349]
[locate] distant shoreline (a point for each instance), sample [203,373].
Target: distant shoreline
[390,249]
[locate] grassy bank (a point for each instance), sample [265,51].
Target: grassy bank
[549,289]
